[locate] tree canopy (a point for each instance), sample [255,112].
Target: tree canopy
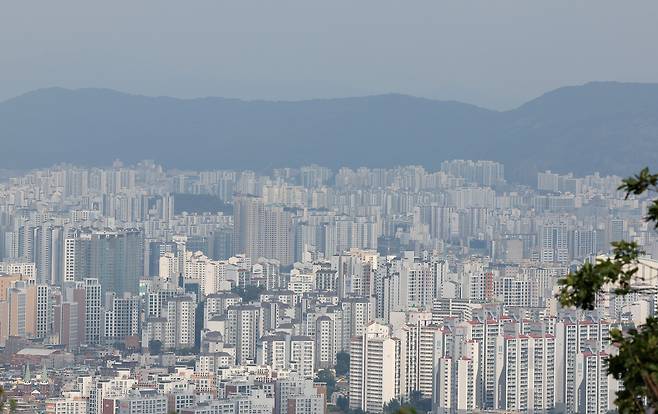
[249,293]
[635,364]
[342,363]
[327,376]
[155,347]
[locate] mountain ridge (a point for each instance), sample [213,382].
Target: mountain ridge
[586,128]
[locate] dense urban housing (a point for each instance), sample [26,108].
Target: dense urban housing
[140,289]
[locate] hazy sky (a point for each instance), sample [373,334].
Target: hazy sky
[491,52]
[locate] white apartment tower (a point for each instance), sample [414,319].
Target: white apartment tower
[302,355]
[175,326]
[486,334]
[248,211]
[420,353]
[456,382]
[573,336]
[244,328]
[325,340]
[592,396]
[374,369]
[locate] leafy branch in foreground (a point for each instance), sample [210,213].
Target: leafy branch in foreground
[635,364]
[581,288]
[639,183]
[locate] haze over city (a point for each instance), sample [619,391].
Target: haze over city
[298,207]
[493,54]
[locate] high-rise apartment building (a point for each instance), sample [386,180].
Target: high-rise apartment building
[92,298]
[263,230]
[72,403]
[278,234]
[21,316]
[527,376]
[420,350]
[243,330]
[302,355]
[572,337]
[27,270]
[248,217]
[26,310]
[121,317]
[324,329]
[374,369]
[593,384]
[114,257]
[48,253]
[175,325]
[457,380]
[486,332]
[68,330]
[299,395]
[142,401]
[356,315]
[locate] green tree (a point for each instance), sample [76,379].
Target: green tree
[185,352]
[2,398]
[406,410]
[636,363]
[342,363]
[13,405]
[327,377]
[155,347]
[343,404]
[392,406]
[415,397]
[249,293]
[418,402]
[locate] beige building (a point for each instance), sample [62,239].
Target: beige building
[6,281]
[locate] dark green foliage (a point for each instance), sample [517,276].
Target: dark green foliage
[343,404]
[636,366]
[652,213]
[416,400]
[392,407]
[121,347]
[582,287]
[406,410]
[198,325]
[415,404]
[155,347]
[636,363]
[639,183]
[327,377]
[342,363]
[249,293]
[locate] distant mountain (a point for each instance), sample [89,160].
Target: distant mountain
[603,126]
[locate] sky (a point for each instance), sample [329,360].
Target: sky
[493,53]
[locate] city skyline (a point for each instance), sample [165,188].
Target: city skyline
[343,207]
[364,288]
